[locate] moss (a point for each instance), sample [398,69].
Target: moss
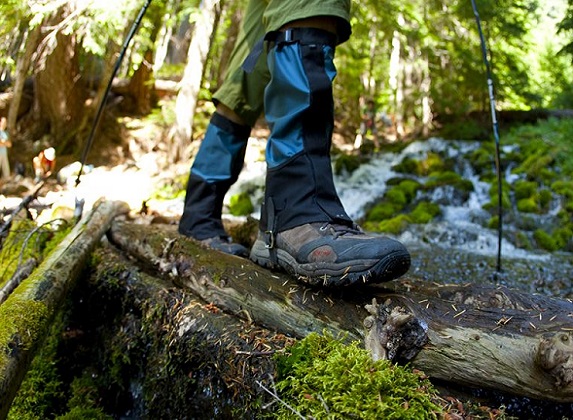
[57,237]
[42,389]
[394,201]
[83,403]
[381,211]
[397,197]
[433,163]
[537,202]
[395,225]
[44,393]
[493,193]
[526,222]
[346,163]
[563,235]
[525,189]
[358,387]
[18,246]
[545,240]
[482,159]
[21,319]
[25,240]
[79,413]
[544,198]
[424,212]
[408,166]
[535,166]
[410,188]
[241,205]
[523,241]
[527,205]
[449,178]
[565,188]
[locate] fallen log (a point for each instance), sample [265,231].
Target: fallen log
[29,310]
[180,357]
[479,336]
[236,284]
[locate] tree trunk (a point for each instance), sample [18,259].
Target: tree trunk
[179,42]
[27,313]
[60,92]
[230,39]
[22,69]
[190,85]
[395,83]
[484,337]
[165,35]
[140,86]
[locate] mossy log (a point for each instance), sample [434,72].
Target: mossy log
[28,311]
[168,354]
[479,336]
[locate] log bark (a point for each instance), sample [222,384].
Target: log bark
[29,310]
[479,336]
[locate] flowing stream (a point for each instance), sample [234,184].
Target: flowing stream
[454,247]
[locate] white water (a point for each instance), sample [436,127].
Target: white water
[457,227]
[460,227]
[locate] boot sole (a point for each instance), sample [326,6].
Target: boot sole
[393,265]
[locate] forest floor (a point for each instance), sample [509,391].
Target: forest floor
[131,171]
[134,171]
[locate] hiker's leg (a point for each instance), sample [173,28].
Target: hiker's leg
[220,157]
[304,227]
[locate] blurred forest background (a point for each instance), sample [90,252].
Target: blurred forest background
[420,61]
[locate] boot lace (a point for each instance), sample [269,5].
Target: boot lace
[338,229]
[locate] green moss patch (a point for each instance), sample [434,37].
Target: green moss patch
[241,204]
[425,212]
[20,320]
[438,179]
[323,378]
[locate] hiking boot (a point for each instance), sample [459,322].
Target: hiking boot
[330,254]
[226,245]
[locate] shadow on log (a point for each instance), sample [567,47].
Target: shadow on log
[159,352]
[484,337]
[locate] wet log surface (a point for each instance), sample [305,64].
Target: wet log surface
[479,336]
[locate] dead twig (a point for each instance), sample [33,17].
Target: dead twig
[21,273]
[23,205]
[277,398]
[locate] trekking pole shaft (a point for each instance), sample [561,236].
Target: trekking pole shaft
[103,101]
[495,133]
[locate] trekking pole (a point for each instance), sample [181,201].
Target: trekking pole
[495,134]
[95,124]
